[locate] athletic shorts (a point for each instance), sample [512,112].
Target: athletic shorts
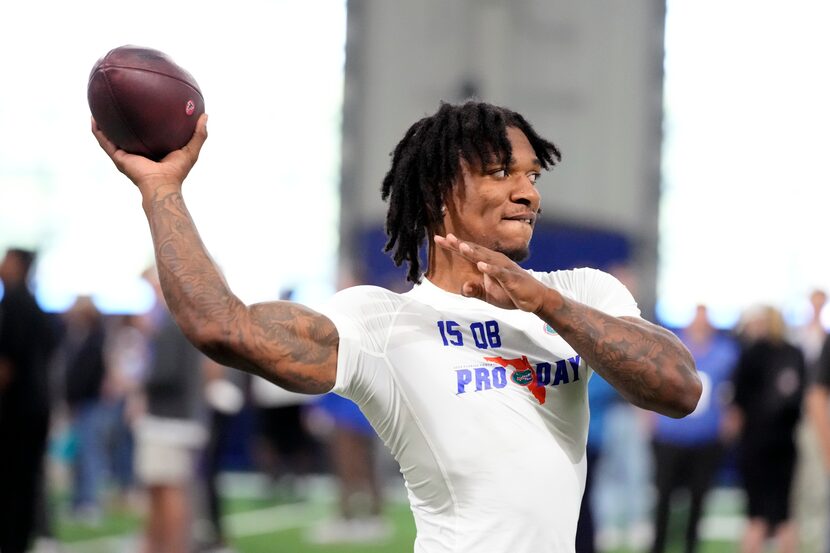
[166,450]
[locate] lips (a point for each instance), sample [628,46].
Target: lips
[525,217]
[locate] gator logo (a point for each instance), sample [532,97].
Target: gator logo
[523,375]
[522,378]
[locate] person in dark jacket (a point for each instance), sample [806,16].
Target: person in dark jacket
[27,341]
[769,383]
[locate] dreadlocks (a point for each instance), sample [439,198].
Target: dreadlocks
[426,164]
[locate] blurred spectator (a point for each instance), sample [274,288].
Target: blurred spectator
[810,486]
[769,386]
[27,341]
[84,373]
[171,432]
[810,336]
[284,450]
[688,451]
[621,476]
[352,447]
[127,355]
[818,400]
[225,399]
[602,397]
[621,480]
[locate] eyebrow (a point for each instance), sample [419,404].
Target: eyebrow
[511,163]
[535,161]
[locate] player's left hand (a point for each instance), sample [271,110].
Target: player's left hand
[504,283]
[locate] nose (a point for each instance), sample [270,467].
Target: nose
[526,193]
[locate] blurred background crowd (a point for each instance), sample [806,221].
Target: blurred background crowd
[692,135]
[112,416]
[120,414]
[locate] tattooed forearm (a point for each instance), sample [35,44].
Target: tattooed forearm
[647,364]
[284,342]
[193,287]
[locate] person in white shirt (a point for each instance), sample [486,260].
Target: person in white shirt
[476,378]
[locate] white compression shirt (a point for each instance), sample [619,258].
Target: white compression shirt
[485,409]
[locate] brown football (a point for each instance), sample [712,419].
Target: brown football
[143,101]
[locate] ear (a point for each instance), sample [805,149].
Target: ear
[448,213]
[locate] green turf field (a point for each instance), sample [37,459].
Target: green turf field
[255,526]
[275,523]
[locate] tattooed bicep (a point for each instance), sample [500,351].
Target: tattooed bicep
[290,345]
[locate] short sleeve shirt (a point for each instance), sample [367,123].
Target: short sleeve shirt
[485,409]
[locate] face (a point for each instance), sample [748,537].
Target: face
[11,269]
[497,207]
[818,298]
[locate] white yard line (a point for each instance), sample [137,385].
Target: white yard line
[240,525]
[274,519]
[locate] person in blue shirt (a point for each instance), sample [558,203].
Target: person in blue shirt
[688,451]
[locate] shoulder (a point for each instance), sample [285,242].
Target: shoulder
[576,279]
[366,298]
[364,317]
[592,287]
[366,307]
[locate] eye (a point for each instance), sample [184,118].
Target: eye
[534,177]
[500,173]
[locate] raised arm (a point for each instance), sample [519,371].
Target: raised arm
[649,365]
[646,363]
[284,342]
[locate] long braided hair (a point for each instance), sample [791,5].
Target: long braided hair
[426,164]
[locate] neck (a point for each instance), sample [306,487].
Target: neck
[449,271]
[13,284]
[699,334]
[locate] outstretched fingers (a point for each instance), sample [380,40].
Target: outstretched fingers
[487,261]
[468,250]
[501,276]
[505,283]
[494,271]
